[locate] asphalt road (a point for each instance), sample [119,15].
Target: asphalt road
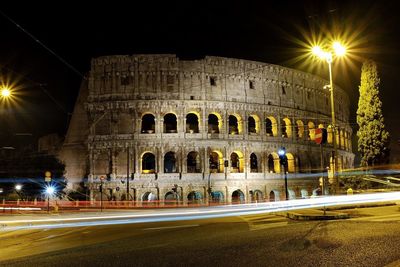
[371,238]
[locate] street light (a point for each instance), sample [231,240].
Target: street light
[50,190]
[328,56]
[283,162]
[5,92]
[18,187]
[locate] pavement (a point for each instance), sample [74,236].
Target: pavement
[337,212]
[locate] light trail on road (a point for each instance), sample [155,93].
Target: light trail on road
[181,214]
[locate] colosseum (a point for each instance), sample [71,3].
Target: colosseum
[163,128]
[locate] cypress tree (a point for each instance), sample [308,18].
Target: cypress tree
[373,139]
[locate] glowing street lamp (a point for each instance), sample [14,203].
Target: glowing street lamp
[18,187]
[338,50]
[283,162]
[50,190]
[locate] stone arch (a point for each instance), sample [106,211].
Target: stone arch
[311,130]
[170,165]
[274,195]
[235,124]
[321,126]
[238,196]
[216,162]
[193,162]
[253,124]
[304,193]
[271,126]
[148,162]
[195,197]
[237,162]
[217,196]
[149,197]
[299,129]
[171,196]
[192,122]
[254,165]
[257,196]
[148,124]
[286,128]
[170,123]
[214,123]
[273,163]
[292,194]
[291,162]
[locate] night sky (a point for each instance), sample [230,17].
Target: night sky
[269,31]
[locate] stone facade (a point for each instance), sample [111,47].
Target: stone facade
[176,127]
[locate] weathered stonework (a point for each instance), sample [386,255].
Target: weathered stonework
[159,120]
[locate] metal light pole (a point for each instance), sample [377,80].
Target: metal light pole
[283,162]
[339,50]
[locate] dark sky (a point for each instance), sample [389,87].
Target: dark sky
[268,31]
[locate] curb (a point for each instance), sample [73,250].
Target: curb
[304,217]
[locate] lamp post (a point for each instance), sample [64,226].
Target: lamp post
[283,162]
[50,190]
[328,56]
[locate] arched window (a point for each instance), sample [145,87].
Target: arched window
[170,123]
[148,163]
[330,135]
[271,128]
[169,162]
[213,123]
[286,128]
[193,162]
[251,123]
[273,163]
[342,139]
[216,163]
[148,124]
[192,123]
[237,164]
[233,125]
[253,163]
[291,164]
[299,129]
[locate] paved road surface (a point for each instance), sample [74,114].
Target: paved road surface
[371,239]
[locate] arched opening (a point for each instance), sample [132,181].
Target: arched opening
[170,123]
[171,197]
[253,163]
[251,125]
[193,162]
[238,196]
[233,125]
[299,129]
[273,163]
[192,123]
[149,197]
[292,194]
[291,164]
[271,128]
[274,195]
[148,163]
[216,162]
[148,124]
[214,123]
[346,141]
[304,193]
[217,196]
[311,130]
[195,197]
[321,126]
[237,162]
[257,196]
[286,128]
[170,162]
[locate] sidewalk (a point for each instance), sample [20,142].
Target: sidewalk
[313,214]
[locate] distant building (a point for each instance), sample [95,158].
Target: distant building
[175,126]
[50,144]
